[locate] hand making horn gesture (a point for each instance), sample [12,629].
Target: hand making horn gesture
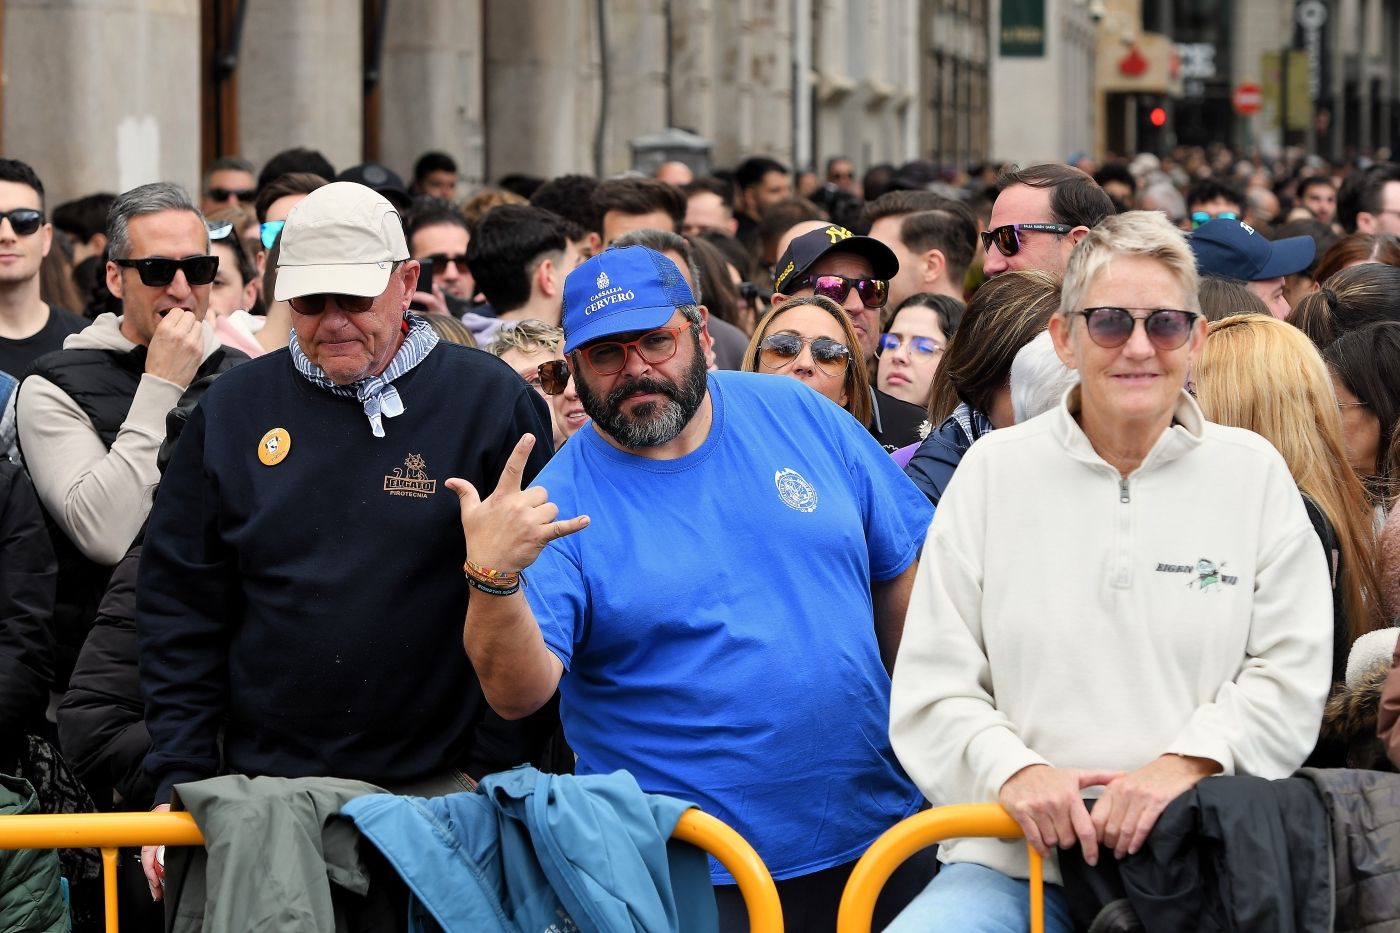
[508,529]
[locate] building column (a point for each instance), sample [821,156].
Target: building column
[103,95]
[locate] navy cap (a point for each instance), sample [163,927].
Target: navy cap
[804,250]
[1232,249]
[621,289]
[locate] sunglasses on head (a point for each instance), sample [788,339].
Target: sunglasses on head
[246,195]
[655,347]
[25,221]
[218,229]
[1007,238]
[777,351]
[1205,217]
[1167,328]
[873,292]
[440,261]
[554,376]
[923,346]
[157,273]
[269,230]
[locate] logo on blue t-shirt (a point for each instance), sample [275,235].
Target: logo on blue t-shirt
[795,491]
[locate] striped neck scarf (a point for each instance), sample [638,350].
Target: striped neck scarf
[376,393]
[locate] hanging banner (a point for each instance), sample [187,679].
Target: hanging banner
[1023,29]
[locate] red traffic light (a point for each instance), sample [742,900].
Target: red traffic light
[1158,116]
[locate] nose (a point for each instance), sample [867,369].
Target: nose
[179,286]
[570,392]
[448,272]
[1138,345]
[993,261]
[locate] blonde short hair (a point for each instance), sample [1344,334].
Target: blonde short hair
[1133,233]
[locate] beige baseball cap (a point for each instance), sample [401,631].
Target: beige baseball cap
[343,239]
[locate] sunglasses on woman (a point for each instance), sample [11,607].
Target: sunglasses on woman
[554,376]
[777,351]
[923,346]
[1007,238]
[157,273]
[1168,329]
[873,292]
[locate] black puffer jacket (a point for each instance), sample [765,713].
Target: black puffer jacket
[28,577]
[101,721]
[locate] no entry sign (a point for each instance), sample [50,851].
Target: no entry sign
[1247,99]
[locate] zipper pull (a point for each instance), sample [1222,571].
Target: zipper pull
[1123,491]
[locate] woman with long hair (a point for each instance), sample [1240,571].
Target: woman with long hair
[1365,368]
[812,339]
[1352,298]
[1356,249]
[1264,375]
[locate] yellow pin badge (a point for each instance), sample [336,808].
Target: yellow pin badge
[274,447]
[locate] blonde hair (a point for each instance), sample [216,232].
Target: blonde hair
[857,383]
[1134,233]
[527,337]
[1261,374]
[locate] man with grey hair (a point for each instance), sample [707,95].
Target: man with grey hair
[91,416]
[1164,198]
[229,181]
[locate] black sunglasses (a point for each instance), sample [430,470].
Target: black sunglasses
[246,195]
[873,292]
[157,273]
[778,350]
[554,376]
[440,261]
[1007,238]
[25,221]
[1167,328]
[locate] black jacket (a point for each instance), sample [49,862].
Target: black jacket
[101,721]
[28,575]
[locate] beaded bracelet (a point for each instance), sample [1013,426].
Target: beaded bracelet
[490,590]
[498,578]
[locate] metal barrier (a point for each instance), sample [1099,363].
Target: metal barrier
[109,831]
[918,832]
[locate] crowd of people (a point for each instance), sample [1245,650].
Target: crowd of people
[1083,488]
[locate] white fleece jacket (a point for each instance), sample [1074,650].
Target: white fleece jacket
[1062,615]
[99,497]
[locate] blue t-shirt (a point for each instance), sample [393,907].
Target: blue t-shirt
[715,619]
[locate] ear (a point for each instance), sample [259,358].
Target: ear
[1060,336]
[98,242]
[47,230]
[595,243]
[545,274]
[934,264]
[1077,234]
[733,226]
[114,279]
[250,294]
[1365,222]
[1198,339]
[704,321]
[410,283]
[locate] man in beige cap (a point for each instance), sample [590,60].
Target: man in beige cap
[302,586]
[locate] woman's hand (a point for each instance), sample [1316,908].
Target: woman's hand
[1128,810]
[1047,805]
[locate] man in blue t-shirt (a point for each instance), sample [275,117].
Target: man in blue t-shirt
[721,621]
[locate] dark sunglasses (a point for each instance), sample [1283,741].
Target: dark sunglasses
[655,347]
[1112,327]
[246,195]
[157,273]
[315,304]
[777,351]
[1007,238]
[554,376]
[25,221]
[440,261]
[873,292]
[923,346]
[1205,217]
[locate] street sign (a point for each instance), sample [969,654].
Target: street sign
[1247,99]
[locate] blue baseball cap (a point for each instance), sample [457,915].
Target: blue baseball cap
[1232,249]
[621,289]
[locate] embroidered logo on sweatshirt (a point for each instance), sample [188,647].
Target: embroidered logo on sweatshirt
[411,479]
[1205,574]
[795,491]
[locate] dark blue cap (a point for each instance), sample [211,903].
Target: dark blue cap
[622,289]
[805,250]
[1232,249]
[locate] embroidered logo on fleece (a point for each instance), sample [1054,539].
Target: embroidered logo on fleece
[795,491]
[1205,574]
[411,479]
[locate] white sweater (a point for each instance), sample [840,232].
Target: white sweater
[1062,615]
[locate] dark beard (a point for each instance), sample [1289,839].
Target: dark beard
[653,423]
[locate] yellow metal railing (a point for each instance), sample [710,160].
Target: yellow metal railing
[110,831]
[918,832]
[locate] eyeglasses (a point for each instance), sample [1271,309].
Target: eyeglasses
[1007,238]
[654,347]
[440,261]
[1112,327]
[268,232]
[158,273]
[554,376]
[924,346]
[315,304]
[218,229]
[1205,217]
[777,351]
[25,221]
[246,195]
[873,292]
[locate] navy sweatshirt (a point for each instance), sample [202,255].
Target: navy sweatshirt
[313,609]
